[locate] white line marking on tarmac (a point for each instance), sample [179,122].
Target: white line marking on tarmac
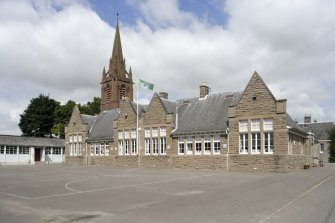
[291,202]
[110,188]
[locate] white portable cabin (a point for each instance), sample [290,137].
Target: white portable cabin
[29,150]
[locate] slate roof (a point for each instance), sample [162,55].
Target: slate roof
[89,120]
[141,108]
[12,140]
[319,129]
[209,114]
[102,128]
[291,123]
[170,106]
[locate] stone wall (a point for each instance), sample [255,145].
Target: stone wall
[75,160]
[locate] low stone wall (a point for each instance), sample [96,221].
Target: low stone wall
[236,162]
[257,163]
[75,160]
[297,161]
[201,162]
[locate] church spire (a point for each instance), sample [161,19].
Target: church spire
[117,55]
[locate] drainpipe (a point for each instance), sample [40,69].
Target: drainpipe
[227,132]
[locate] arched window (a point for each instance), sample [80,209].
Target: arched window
[122,92]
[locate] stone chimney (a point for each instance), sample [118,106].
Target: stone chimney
[307,119]
[163,94]
[204,90]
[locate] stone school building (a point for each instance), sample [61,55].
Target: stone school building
[237,131]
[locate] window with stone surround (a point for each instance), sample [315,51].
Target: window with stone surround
[162,131]
[155,146]
[163,146]
[243,126]
[120,134]
[2,149]
[268,143]
[189,145]
[154,132]
[126,147]
[92,149]
[255,143]
[255,125]
[181,146]
[216,144]
[107,149]
[133,147]
[198,146]
[102,149]
[133,134]
[120,147]
[147,133]
[208,145]
[322,148]
[97,149]
[243,143]
[147,146]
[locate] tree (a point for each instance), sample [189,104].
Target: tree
[39,117]
[62,117]
[332,145]
[91,108]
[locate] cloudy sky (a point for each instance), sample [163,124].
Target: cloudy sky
[59,48]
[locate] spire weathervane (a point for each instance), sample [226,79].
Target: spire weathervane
[117,16]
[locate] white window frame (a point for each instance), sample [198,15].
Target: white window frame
[133,147]
[133,134]
[126,147]
[268,124]
[197,142]
[147,146]
[207,145]
[126,134]
[80,138]
[102,149]
[80,149]
[243,142]
[120,134]
[267,143]
[255,125]
[256,142]
[154,132]
[71,139]
[120,147]
[92,149]
[147,133]
[154,146]
[243,126]
[181,146]
[189,146]
[162,131]
[216,145]
[75,138]
[162,145]
[97,149]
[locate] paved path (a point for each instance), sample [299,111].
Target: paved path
[105,194]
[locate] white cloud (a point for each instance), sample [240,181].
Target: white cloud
[60,50]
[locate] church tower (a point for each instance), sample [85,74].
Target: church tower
[117,82]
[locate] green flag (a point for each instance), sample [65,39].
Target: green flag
[145,85]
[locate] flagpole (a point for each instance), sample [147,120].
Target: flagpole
[137,131]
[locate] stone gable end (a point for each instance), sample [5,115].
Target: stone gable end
[127,118]
[156,113]
[256,99]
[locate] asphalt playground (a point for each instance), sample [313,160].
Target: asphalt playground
[57,193]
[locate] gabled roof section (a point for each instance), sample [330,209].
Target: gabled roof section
[321,130]
[102,128]
[170,107]
[142,109]
[11,140]
[205,115]
[256,77]
[291,123]
[88,119]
